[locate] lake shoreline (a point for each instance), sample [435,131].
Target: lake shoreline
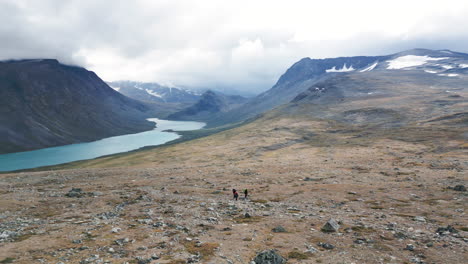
[54,156]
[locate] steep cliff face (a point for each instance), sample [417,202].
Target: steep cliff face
[44,103]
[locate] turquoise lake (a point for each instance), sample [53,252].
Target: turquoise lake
[90,150]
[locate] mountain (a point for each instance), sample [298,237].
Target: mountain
[385,99]
[45,103]
[154,92]
[307,72]
[377,152]
[210,104]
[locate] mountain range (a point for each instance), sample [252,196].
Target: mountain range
[419,64]
[154,92]
[45,103]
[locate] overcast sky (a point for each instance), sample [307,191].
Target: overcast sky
[244,45]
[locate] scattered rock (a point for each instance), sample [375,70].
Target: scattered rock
[458,188]
[400,235]
[116,229]
[158,224]
[419,219]
[311,249]
[409,247]
[141,260]
[331,226]
[326,245]
[417,260]
[279,229]
[446,230]
[122,241]
[75,193]
[361,241]
[247,215]
[95,194]
[269,257]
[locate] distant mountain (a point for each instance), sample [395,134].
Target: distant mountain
[305,73]
[44,103]
[154,92]
[210,104]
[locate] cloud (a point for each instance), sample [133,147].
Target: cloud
[242,45]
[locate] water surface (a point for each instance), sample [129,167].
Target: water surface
[90,150]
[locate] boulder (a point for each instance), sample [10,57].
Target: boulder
[331,226]
[279,229]
[326,245]
[446,230]
[459,188]
[75,193]
[269,257]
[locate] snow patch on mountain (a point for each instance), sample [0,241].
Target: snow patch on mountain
[449,74]
[344,69]
[463,65]
[153,93]
[428,71]
[115,88]
[448,67]
[410,61]
[370,68]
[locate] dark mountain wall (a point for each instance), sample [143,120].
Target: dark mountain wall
[44,103]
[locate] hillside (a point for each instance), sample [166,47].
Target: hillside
[45,103]
[209,105]
[306,72]
[381,152]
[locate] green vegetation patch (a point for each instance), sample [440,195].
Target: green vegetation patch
[297,255]
[7,260]
[206,250]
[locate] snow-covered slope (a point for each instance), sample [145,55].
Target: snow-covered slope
[155,92]
[410,61]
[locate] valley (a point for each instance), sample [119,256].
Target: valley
[386,194]
[233,132]
[376,149]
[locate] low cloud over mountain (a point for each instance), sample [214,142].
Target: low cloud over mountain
[239,45]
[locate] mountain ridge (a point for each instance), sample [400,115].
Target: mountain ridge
[306,72]
[45,103]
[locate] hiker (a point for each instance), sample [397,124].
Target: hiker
[246,193]
[236,195]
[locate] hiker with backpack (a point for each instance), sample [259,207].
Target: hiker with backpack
[235,194]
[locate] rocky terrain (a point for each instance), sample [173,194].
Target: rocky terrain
[360,167]
[393,200]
